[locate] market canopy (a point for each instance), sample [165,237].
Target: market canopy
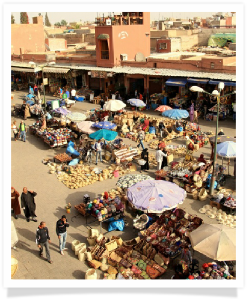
[163,108]
[76,116]
[176,82]
[175,113]
[24,69]
[222,138]
[114,105]
[136,103]
[194,80]
[104,125]
[153,196]
[213,82]
[104,134]
[227,149]
[57,70]
[216,241]
[86,127]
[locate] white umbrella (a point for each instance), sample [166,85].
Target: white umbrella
[216,241]
[114,105]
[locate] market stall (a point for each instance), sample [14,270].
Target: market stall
[52,137]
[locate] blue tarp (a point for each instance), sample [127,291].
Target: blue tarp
[176,82]
[194,80]
[225,82]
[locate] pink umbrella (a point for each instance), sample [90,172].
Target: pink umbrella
[86,127]
[163,108]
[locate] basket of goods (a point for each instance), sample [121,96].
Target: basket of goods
[141,162]
[203,194]
[195,194]
[14,266]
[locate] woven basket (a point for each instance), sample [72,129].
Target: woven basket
[14,266]
[203,194]
[195,194]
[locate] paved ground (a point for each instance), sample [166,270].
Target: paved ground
[27,170]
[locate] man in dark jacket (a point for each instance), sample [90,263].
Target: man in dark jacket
[27,202]
[43,239]
[61,226]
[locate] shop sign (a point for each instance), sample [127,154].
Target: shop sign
[45,81]
[95,74]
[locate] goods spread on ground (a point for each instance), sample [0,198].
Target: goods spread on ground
[139,258]
[51,136]
[63,158]
[126,154]
[78,176]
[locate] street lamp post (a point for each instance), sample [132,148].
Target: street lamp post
[217,94]
[42,67]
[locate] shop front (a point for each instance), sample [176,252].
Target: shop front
[177,92]
[22,78]
[58,77]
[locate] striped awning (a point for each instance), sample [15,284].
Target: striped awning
[57,70]
[23,69]
[103,36]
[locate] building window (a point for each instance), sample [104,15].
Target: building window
[155,65]
[104,50]
[212,65]
[163,46]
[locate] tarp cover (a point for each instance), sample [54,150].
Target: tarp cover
[220,39]
[194,80]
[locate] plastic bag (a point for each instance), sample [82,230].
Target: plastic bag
[116,225]
[74,162]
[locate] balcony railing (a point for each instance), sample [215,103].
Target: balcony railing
[105,55]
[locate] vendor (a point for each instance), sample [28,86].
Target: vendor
[152,129]
[101,102]
[144,156]
[164,162]
[221,132]
[159,158]
[146,124]
[189,144]
[161,128]
[201,159]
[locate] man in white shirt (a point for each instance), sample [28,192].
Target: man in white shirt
[159,158]
[98,148]
[73,94]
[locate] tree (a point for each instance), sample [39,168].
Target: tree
[12,19]
[47,22]
[57,24]
[24,18]
[39,14]
[64,23]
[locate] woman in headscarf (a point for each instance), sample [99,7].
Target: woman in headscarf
[15,205]
[192,112]
[144,156]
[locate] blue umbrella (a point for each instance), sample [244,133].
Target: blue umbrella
[227,149]
[104,125]
[104,134]
[136,103]
[175,113]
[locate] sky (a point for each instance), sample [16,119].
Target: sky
[90,16]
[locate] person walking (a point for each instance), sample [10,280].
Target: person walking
[22,130]
[161,128]
[15,205]
[196,116]
[73,94]
[15,131]
[43,240]
[141,138]
[159,158]
[98,148]
[61,230]
[28,203]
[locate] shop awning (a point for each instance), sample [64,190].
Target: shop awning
[194,80]
[226,83]
[176,82]
[103,36]
[57,70]
[23,69]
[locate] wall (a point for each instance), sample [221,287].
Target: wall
[187,42]
[89,38]
[204,35]
[56,43]
[29,37]
[176,44]
[124,39]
